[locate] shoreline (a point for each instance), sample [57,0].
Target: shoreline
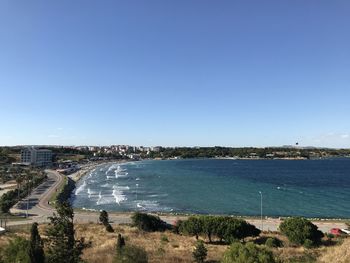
[90,167]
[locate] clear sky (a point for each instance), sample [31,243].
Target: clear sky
[186,73]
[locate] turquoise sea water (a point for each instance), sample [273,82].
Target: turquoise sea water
[312,188]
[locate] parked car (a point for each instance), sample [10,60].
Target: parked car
[347,231]
[337,232]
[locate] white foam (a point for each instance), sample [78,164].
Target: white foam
[119,196]
[90,192]
[99,198]
[120,173]
[80,188]
[112,167]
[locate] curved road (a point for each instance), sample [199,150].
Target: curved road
[39,210]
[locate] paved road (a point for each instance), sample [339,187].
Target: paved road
[39,209]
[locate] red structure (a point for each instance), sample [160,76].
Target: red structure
[336,231]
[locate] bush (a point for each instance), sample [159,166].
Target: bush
[200,252]
[147,222]
[109,228]
[298,230]
[273,242]
[164,239]
[239,253]
[104,219]
[131,254]
[225,228]
[66,191]
[192,226]
[17,251]
[308,243]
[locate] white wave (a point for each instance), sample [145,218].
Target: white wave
[119,196]
[121,187]
[99,198]
[112,167]
[80,188]
[120,173]
[137,179]
[89,209]
[148,205]
[91,193]
[158,195]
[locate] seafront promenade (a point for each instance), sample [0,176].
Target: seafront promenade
[39,208]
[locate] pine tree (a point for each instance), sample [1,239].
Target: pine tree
[120,244]
[36,251]
[105,221]
[104,217]
[62,246]
[200,252]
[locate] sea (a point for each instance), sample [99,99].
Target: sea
[309,188]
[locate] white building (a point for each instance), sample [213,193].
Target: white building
[37,157]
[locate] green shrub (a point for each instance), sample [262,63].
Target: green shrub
[248,253]
[104,218]
[131,254]
[308,243]
[298,230]
[147,222]
[273,242]
[225,228]
[109,228]
[17,251]
[164,239]
[200,252]
[192,226]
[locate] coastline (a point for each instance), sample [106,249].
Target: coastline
[90,167]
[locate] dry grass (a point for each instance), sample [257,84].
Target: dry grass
[169,247]
[338,254]
[160,247]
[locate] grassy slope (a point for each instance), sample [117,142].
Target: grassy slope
[178,248]
[338,254]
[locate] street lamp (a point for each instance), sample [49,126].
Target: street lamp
[261,211]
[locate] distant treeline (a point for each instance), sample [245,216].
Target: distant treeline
[211,152]
[192,152]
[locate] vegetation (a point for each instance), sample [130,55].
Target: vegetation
[105,220]
[17,251]
[273,242]
[301,231]
[147,222]
[132,254]
[62,246]
[36,248]
[65,193]
[247,152]
[248,253]
[224,228]
[200,252]
[26,180]
[120,244]
[178,248]
[129,253]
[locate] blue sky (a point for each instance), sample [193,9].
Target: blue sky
[231,73]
